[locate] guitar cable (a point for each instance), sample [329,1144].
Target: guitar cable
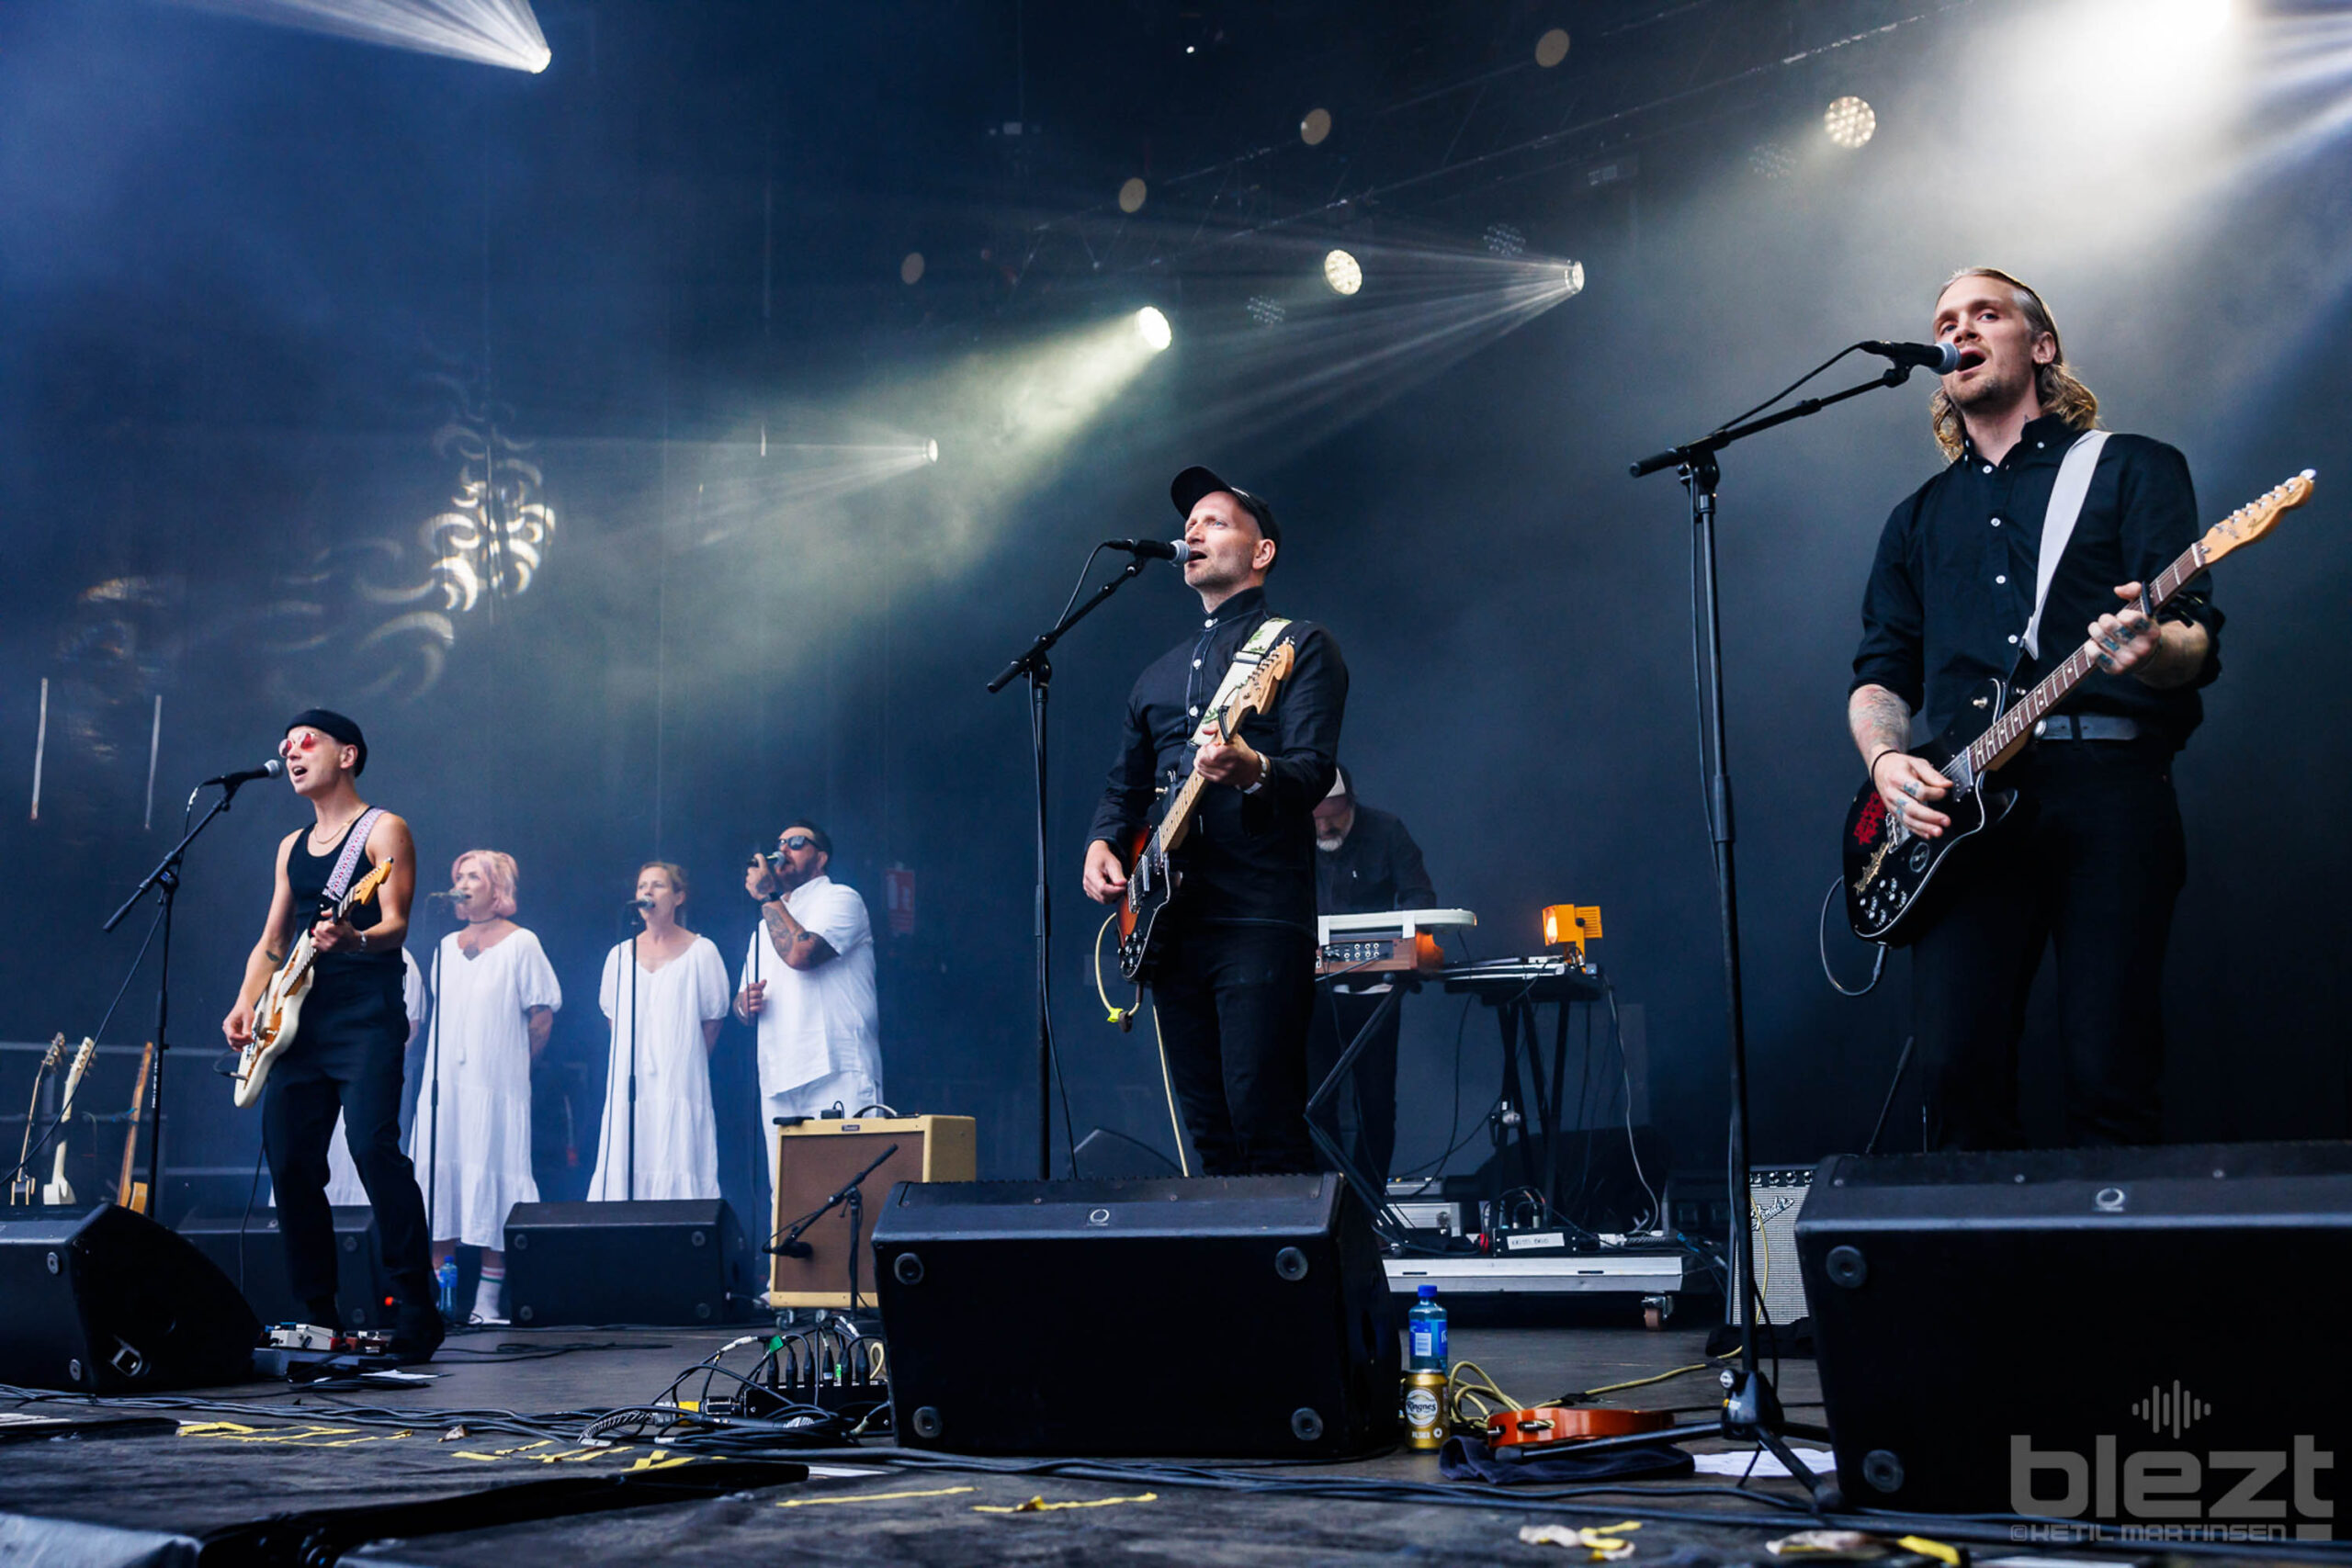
[1821,939]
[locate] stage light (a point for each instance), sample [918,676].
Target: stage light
[931,449]
[1131,195]
[494,32]
[1153,328]
[910,269]
[1342,272]
[1315,127]
[1771,160]
[1264,311]
[1551,48]
[1504,240]
[1572,278]
[1849,121]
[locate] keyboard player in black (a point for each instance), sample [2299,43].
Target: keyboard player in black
[1365,862]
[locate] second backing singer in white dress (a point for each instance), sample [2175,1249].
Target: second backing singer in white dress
[681,997]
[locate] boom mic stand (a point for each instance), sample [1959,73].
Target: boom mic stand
[1751,1411]
[1040,670]
[851,1192]
[165,881]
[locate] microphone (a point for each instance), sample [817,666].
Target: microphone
[792,1249]
[444,895]
[1944,358]
[1176,550]
[268,770]
[636,903]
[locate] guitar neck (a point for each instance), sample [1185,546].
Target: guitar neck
[1179,819]
[1990,748]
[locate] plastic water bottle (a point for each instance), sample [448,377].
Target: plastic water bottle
[447,1277]
[1427,1334]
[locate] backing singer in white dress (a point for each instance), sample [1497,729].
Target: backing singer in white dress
[680,999]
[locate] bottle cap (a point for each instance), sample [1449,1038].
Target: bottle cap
[1428,1293]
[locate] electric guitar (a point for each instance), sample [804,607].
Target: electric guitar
[133,1195]
[22,1188]
[1889,870]
[277,1013]
[57,1190]
[1151,879]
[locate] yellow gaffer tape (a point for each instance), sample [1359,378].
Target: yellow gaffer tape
[1039,1506]
[870,1497]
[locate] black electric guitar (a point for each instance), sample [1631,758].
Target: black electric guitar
[1151,879]
[1890,869]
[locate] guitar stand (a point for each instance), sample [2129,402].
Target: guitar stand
[1385,1219]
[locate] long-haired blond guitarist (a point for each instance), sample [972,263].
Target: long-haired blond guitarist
[352,1026]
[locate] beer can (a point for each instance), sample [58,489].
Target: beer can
[1425,1414]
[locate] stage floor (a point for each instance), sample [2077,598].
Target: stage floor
[203,1490]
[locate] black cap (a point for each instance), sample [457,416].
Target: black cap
[1195,482]
[335,727]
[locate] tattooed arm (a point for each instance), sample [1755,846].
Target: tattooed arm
[1880,723]
[800,947]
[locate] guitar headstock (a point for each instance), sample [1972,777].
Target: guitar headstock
[1257,694]
[56,1053]
[365,886]
[2257,517]
[81,1060]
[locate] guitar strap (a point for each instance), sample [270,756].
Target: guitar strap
[2067,497]
[1237,674]
[355,845]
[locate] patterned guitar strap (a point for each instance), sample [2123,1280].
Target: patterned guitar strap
[1237,675]
[355,846]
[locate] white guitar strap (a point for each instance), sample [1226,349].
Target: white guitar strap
[2066,499]
[1245,662]
[355,845]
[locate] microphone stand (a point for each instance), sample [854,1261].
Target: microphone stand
[851,1192]
[1040,671]
[165,882]
[433,1109]
[1751,1411]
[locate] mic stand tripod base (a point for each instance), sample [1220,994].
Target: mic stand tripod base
[1752,1415]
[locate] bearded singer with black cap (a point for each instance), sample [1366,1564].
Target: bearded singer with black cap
[347,1049]
[1234,984]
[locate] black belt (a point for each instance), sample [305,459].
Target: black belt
[2087,727]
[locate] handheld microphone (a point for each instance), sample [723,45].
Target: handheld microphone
[268,770]
[1176,550]
[1944,358]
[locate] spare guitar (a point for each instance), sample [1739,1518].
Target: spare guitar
[1151,879]
[279,1012]
[1889,869]
[57,1190]
[133,1195]
[23,1188]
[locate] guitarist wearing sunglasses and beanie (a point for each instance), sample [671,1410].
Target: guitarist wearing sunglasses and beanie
[2041,531]
[347,1050]
[1233,974]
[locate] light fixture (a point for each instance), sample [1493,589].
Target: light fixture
[1342,272]
[910,269]
[1572,278]
[1504,241]
[1771,160]
[1264,311]
[1551,48]
[1315,127]
[1131,195]
[1153,328]
[1849,121]
[931,449]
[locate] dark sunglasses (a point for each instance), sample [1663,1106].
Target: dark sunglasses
[795,841]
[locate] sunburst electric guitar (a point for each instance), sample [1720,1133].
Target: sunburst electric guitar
[1152,879]
[279,1012]
[57,1190]
[1890,870]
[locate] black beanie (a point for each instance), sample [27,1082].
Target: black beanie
[335,727]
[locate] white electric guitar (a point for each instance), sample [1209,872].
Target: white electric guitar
[279,1010]
[57,1190]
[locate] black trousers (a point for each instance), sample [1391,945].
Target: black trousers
[2088,865]
[347,1060]
[1364,1105]
[1233,1002]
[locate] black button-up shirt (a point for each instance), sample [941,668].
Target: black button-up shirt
[1952,590]
[1249,858]
[1377,867]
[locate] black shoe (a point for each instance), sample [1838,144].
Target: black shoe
[322,1311]
[417,1333]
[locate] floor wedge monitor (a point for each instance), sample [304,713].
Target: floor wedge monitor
[106,1301]
[672,1261]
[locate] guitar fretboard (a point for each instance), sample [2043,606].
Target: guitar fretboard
[2055,687]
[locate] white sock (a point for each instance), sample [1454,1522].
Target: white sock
[487,1291]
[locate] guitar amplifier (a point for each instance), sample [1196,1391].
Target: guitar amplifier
[814,1158]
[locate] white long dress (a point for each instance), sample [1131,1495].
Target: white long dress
[482,1164]
[677,1135]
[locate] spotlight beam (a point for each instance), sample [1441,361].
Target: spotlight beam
[493,32]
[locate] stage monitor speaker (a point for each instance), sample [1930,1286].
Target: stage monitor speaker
[2094,1337]
[258,1264]
[815,1158]
[109,1302]
[673,1262]
[1230,1316]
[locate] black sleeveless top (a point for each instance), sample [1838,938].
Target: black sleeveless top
[352,992]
